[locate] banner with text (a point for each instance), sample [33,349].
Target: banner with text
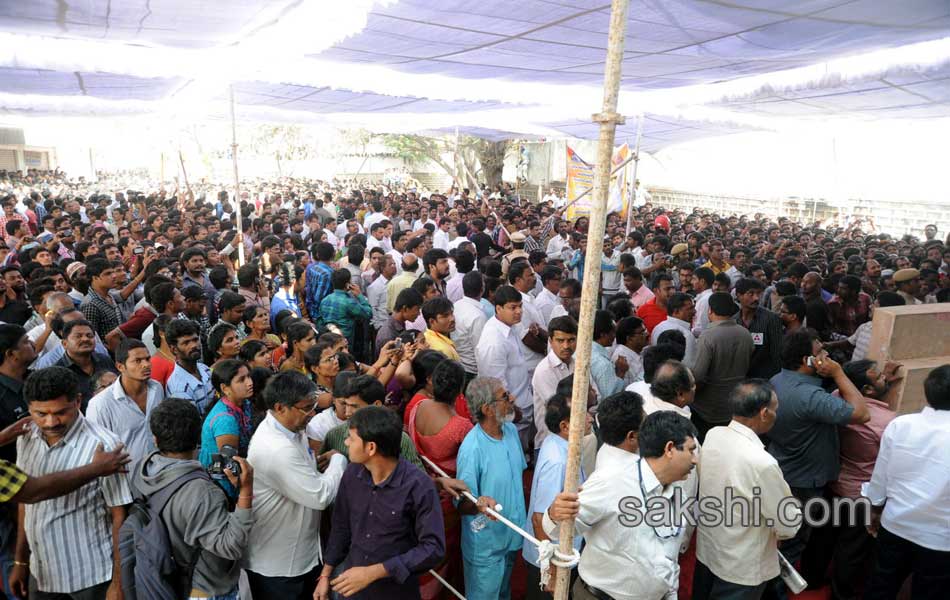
[580,178]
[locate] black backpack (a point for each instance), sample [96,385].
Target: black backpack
[149,569]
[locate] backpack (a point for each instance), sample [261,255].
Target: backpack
[149,569]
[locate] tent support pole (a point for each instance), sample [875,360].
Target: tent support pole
[236,209]
[608,120]
[633,184]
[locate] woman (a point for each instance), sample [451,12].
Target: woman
[223,342]
[163,361]
[423,366]
[257,324]
[437,431]
[256,354]
[300,338]
[283,320]
[322,365]
[491,462]
[229,421]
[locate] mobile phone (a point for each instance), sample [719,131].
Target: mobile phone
[138,251]
[811,361]
[398,345]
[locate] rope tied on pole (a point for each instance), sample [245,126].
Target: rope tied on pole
[547,551]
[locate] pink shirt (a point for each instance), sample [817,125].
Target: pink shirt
[859,445]
[641,296]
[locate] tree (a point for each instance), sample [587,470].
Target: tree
[473,159]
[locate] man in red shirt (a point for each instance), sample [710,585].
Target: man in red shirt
[654,311]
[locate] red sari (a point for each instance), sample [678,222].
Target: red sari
[442,449]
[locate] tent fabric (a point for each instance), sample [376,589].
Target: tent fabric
[493,68]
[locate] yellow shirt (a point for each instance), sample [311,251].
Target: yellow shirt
[716,271]
[439,342]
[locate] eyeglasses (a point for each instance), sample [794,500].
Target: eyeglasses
[308,411]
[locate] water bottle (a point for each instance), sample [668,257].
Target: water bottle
[479,523]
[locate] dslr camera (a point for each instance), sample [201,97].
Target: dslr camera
[224,460]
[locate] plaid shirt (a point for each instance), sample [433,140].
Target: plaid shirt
[317,286]
[342,309]
[12,479]
[102,313]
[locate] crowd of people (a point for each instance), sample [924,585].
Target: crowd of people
[336,398]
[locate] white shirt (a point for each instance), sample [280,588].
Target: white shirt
[440,239]
[371,219]
[701,320]
[673,323]
[530,314]
[419,224]
[547,375]
[643,388]
[326,420]
[289,495]
[627,563]
[635,372]
[378,298]
[453,287]
[500,354]
[470,319]
[545,303]
[397,258]
[734,457]
[559,247]
[912,474]
[557,311]
[372,242]
[113,409]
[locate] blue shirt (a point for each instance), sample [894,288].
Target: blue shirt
[804,439]
[602,372]
[317,287]
[283,300]
[182,384]
[548,482]
[224,419]
[493,468]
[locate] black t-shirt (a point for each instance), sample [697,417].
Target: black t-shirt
[15,312]
[12,409]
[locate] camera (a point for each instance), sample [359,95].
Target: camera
[224,460]
[139,251]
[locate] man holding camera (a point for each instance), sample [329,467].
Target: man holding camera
[196,516]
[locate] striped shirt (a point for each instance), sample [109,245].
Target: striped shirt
[113,409]
[102,313]
[71,536]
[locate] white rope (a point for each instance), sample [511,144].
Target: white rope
[547,551]
[446,584]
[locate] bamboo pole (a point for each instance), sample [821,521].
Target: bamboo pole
[236,209]
[608,120]
[633,184]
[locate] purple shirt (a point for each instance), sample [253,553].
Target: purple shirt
[397,523]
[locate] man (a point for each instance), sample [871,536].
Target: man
[859,444]
[13,309]
[804,439]
[673,388]
[605,375]
[547,482]
[765,327]
[60,437]
[680,310]
[871,282]
[792,311]
[723,354]
[631,339]
[849,308]
[252,286]
[190,379]
[318,284]
[547,299]
[440,239]
[283,551]
[439,316]
[376,292]
[908,285]
[345,305]
[703,279]
[196,514]
[81,357]
[16,355]
[124,407]
[633,283]
[436,264]
[406,309]
[365,391]
[739,263]
[559,246]
[654,311]
[638,462]
[381,554]
[194,264]
[410,268]
[99,307]
[911,473]
[470,320]
[531,328]
[558,364]
[716,262]
[161,298]
[861,340]
[816,311]
[499,354]
[734,458]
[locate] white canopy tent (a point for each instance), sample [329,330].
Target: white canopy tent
[693,68]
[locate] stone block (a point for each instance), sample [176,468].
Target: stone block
[910,332]
[911,397]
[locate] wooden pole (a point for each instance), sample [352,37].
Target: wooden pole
[633,184]
[608,120]
[237,184]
